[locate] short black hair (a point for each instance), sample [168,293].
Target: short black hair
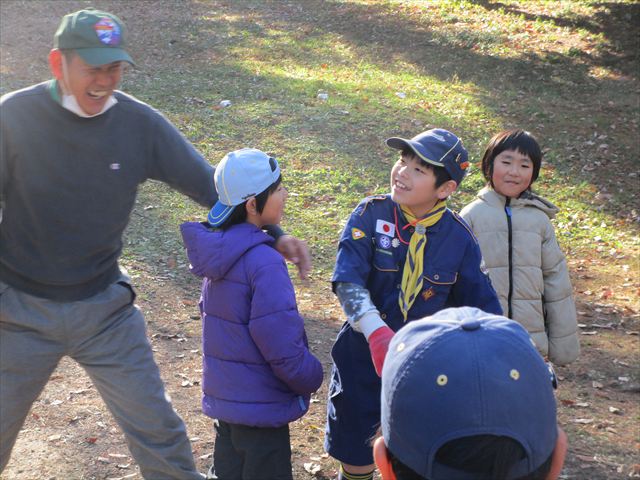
[514,139]
[488,456]
[239,214]
[441,174]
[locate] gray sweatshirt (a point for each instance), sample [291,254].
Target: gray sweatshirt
[68,185]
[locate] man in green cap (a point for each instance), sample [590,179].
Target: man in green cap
[73,151]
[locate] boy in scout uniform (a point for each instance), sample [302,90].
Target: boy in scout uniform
[401,256]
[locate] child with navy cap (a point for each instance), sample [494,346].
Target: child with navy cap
[465,395]
[401,256]
[258,372]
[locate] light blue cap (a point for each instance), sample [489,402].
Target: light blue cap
[240,175]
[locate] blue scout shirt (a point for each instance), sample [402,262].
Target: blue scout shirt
[372,253]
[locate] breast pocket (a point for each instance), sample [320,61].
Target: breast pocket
[436,287]
[384,260]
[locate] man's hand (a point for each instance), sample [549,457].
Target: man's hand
[378,346]
[296,252]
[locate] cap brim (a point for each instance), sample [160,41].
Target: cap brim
[103,55]
[218,214]
[402,143]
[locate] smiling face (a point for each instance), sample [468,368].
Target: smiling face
[512,173]
[91,85]
[413,185]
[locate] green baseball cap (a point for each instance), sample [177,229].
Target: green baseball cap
[98,37]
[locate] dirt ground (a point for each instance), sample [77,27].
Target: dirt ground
[70,435]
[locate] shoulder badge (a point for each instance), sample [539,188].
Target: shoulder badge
[357,234]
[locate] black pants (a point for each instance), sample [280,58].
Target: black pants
[250,453]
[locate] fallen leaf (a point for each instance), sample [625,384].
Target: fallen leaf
[585,458]
[312,468]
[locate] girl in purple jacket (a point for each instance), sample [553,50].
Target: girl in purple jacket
[258,372]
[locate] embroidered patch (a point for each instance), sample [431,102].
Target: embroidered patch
[357,234]
[428,293]
[395,243]
[384,241]
[384,227]
[108,31]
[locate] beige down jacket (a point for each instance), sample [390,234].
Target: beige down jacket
[533,282]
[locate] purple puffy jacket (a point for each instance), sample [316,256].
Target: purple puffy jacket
[257,368]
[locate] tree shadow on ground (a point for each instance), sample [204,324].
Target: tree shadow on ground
[618,22]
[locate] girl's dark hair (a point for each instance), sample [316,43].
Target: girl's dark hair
[239,214]
[441,174]
[488,456]
[515,139]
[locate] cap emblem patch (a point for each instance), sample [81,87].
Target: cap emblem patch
[108,31]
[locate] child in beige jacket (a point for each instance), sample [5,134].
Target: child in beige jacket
[526,266]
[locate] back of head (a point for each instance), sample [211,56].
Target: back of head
[97,36]
[463,379]
[240,175]
[515,139]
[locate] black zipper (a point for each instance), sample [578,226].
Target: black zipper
[507,210]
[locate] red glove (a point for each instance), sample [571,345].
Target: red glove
[378,346]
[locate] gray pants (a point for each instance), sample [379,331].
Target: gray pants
[106,335]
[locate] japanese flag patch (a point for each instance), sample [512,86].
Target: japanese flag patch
[386,228]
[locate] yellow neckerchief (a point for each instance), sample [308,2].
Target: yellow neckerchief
[414,264]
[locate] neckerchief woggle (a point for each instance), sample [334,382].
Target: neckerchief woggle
[414,264]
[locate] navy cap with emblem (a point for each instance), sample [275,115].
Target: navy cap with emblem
[437,147]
